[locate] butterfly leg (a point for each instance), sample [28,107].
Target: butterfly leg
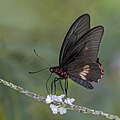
[61,86]
[47,83]
[53,85]
[66,86]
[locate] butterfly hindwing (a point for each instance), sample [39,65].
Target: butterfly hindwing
[92,43]
[85,70]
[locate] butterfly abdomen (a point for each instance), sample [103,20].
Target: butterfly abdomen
[84,83]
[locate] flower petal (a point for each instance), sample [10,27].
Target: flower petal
[69,101]
[59,98]
[62,110]
[54,108]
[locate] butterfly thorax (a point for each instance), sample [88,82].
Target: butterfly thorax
[60,72]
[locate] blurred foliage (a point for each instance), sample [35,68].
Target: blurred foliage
[28,24]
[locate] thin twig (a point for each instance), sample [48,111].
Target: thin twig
[68,106]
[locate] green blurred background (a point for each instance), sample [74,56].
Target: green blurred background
[42,24]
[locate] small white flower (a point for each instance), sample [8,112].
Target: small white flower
[54,108]
[59,98]
[69,101]
[50,98]
[62,110]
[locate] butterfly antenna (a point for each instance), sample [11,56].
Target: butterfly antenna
[40,57]
[38,70]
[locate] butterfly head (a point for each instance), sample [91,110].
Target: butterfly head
[53,69]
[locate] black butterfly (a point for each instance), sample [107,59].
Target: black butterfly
[78,59]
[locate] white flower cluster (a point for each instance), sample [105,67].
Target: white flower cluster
[57,108]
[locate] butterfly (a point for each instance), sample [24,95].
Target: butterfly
[78,59]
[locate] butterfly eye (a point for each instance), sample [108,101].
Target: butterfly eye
[51,70]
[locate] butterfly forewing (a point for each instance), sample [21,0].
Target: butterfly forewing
[76,31]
